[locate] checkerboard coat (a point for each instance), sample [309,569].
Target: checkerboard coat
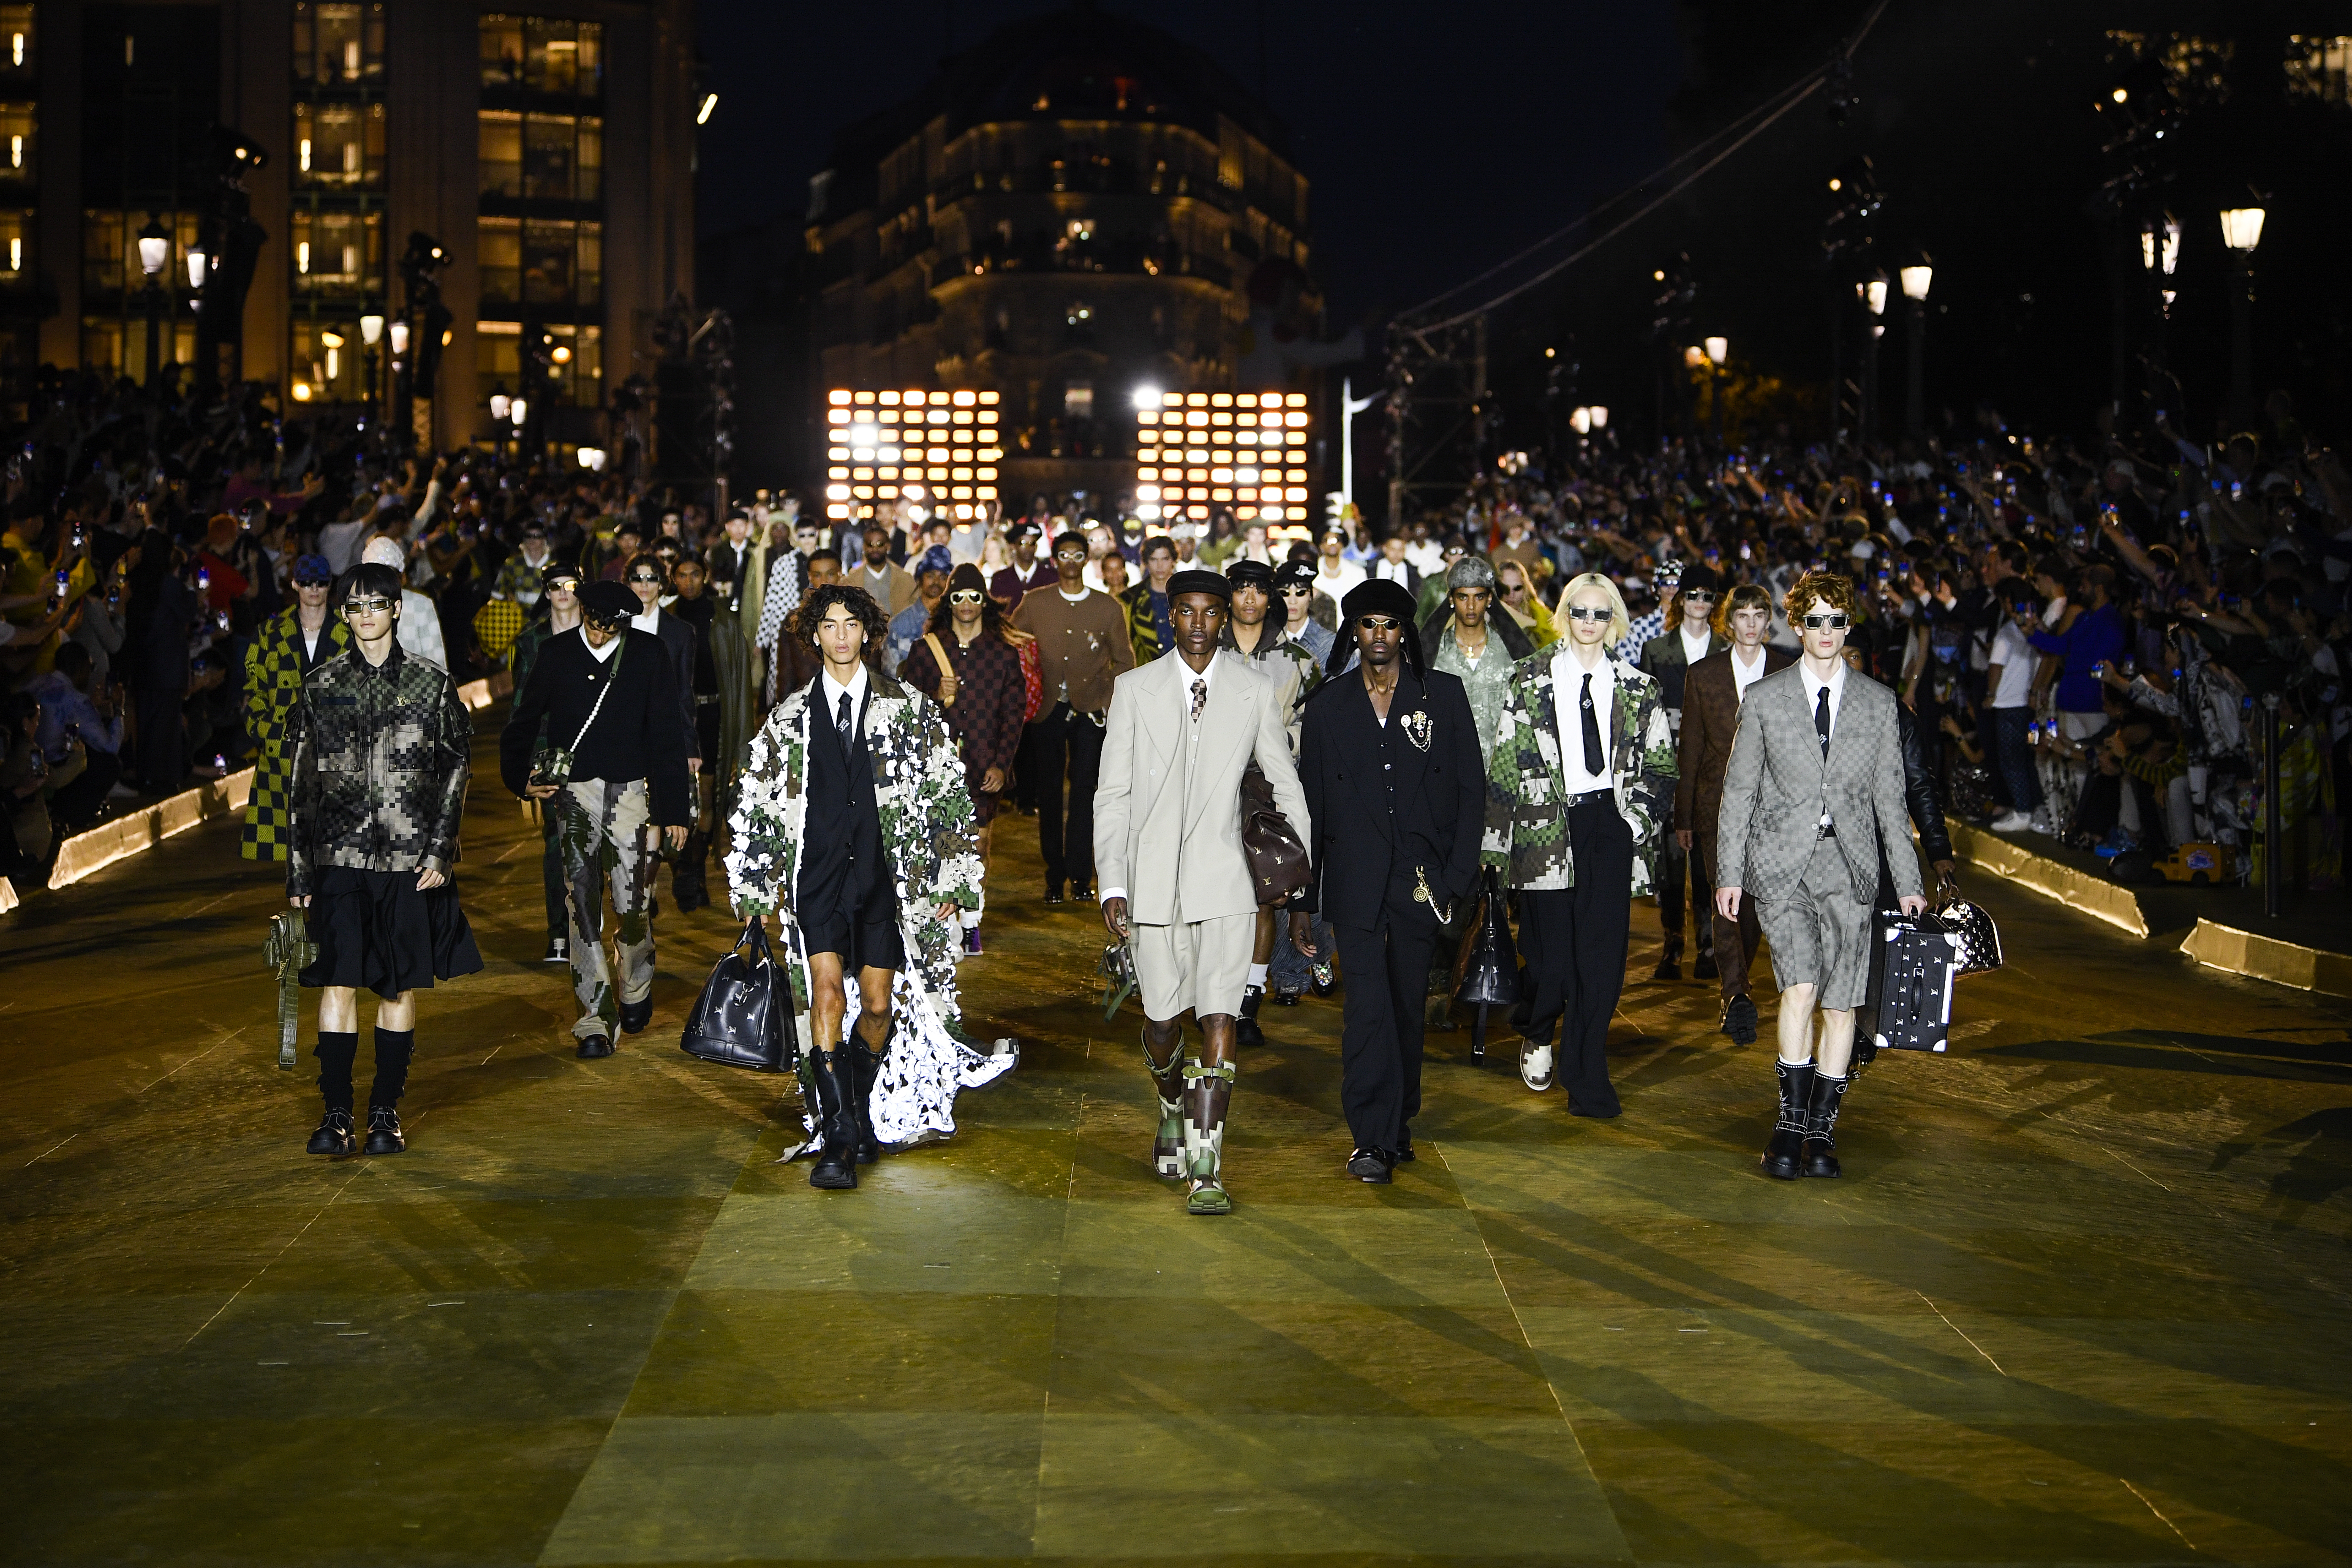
[380,756]
[1526,814]
[273,677]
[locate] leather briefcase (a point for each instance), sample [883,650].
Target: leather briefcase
[744,1016]
[1278,860]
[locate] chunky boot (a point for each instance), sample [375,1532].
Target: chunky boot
[1208,1092]
[334,1135]
[836,1089]
[688,877]
[384,1130]
[1820,1123]
[1783,1155]
[864,1066]
[1167,1084]
[636,1016]
[1245,1030]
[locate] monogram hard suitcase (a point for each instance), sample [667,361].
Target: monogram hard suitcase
[1914,961]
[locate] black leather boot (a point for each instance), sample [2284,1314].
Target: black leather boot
[1820,1124]
[864,1066]
[1245,1030]
[836,1089]
[384,1130]
[1783,1156]
[334,1135]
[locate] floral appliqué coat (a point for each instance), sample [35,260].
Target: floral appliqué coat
[1526,815]
[928,830]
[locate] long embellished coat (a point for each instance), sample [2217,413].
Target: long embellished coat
[273,678]
[928,833]
[1526,814]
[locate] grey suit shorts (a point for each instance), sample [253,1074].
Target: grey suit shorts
[1820,935]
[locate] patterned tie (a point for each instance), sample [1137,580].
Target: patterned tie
[842,722]
[1596,760]
[1822,719]
[1200,697]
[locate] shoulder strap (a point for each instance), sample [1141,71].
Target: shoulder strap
[611,676]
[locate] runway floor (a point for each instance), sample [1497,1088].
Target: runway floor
[2081,1296]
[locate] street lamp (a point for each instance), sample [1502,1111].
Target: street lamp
[501,406]
[1915,280]
[2241,230]
[1717,351]
[371,334]
[1872,292]
[154,250]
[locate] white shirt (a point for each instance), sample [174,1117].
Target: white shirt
[1695,647]
[648,621]
[1568,673]
[1835,686]
[1744,676]
[1392,571]
[599,652]
[2017,660]
[833,690]
[1337,583]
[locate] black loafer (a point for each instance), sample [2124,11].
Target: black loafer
[636,1016]
[1404,1156]
[1282,998]
[334,1135]
[1053,895]
[384,1130]
[594,1046]
[1370,1165]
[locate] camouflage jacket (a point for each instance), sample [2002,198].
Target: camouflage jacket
[381,755]
[1526,818]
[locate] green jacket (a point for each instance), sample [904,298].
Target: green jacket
[380,756]
[1527,813]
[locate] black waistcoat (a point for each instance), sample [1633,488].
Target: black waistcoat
[842,862]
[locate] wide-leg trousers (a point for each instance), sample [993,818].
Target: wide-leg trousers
[1067,739]
[607,834]
[1572,941]
[1735,941]
[1386,968]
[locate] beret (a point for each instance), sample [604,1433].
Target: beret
[1196,581]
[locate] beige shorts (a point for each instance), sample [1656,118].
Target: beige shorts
[1202,966]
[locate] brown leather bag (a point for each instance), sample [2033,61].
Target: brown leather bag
[1278,860]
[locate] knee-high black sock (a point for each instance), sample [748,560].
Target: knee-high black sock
[336,1051]
[393,1047]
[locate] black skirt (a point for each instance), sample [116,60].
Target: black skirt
[377,931]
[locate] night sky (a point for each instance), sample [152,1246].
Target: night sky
[1432,150]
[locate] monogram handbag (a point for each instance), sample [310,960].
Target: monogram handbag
[744,1016]
[553,764]
[1278,860]
[1979,939]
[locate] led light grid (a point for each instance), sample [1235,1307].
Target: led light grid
[1243,449]
[940,449]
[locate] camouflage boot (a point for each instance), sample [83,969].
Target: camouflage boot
[1167,1083]
[1208,1092]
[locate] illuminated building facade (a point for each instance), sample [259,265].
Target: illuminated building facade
[1077,210]
[550,151]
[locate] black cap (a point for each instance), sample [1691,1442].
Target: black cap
[1292,571]
[1250,573]
[607,601]
[556,572]
[1377,596]
[1196,580]
[1699,575]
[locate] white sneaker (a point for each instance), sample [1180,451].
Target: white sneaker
[1535,1066]
[2012,822]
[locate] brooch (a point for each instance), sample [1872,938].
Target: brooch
[1417,728]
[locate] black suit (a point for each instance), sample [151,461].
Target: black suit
[678,640]
[1397,808]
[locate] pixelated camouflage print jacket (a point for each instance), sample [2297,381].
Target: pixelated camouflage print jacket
[1526,815]
[381,755]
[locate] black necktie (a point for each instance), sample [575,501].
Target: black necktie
[1596,760]
[1821,718]
[841,721]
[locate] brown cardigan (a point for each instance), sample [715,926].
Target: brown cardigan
[1083,646]
[1710,717]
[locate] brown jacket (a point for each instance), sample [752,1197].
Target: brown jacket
[896,598]
[1083,646]
[1710,717]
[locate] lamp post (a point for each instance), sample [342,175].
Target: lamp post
[500,406]
[1872,292]
[1915,280]
[518,410]
[2241,230]
[154,250]
[371,334]
[1717,351]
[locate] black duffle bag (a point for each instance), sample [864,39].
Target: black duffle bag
[744,1016]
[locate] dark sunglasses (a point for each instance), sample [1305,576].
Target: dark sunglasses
[1587,613]
[1834,623]
[1698,597]
[1377,623]
[966,596]
[312,581]
[641,577]
[606,623]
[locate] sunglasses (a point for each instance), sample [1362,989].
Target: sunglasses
[1293,591]
[1698,597]
[606,623]
[641,577]
[1069,555]
[966,596]
[312,581]
[1378,622]
[1831,623]
[1587,613]
[366,607]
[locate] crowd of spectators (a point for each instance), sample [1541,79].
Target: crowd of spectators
[2091,630]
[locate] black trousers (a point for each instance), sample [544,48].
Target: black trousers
[1677,866]
[550,872]
[1380,1031]
[1572,941]
[1071,740]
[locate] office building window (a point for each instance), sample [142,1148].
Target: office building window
[544,53]
[17,123]
[15,245]
[542,157]
[338,145]
[337,252]
[338,43]
[16,40]
[533,261]
[571,372]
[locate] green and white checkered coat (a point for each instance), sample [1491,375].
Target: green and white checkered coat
[930,833]
[1526,817]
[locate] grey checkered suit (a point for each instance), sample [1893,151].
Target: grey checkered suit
[1776,784]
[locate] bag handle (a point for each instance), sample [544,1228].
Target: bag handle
[939,657]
